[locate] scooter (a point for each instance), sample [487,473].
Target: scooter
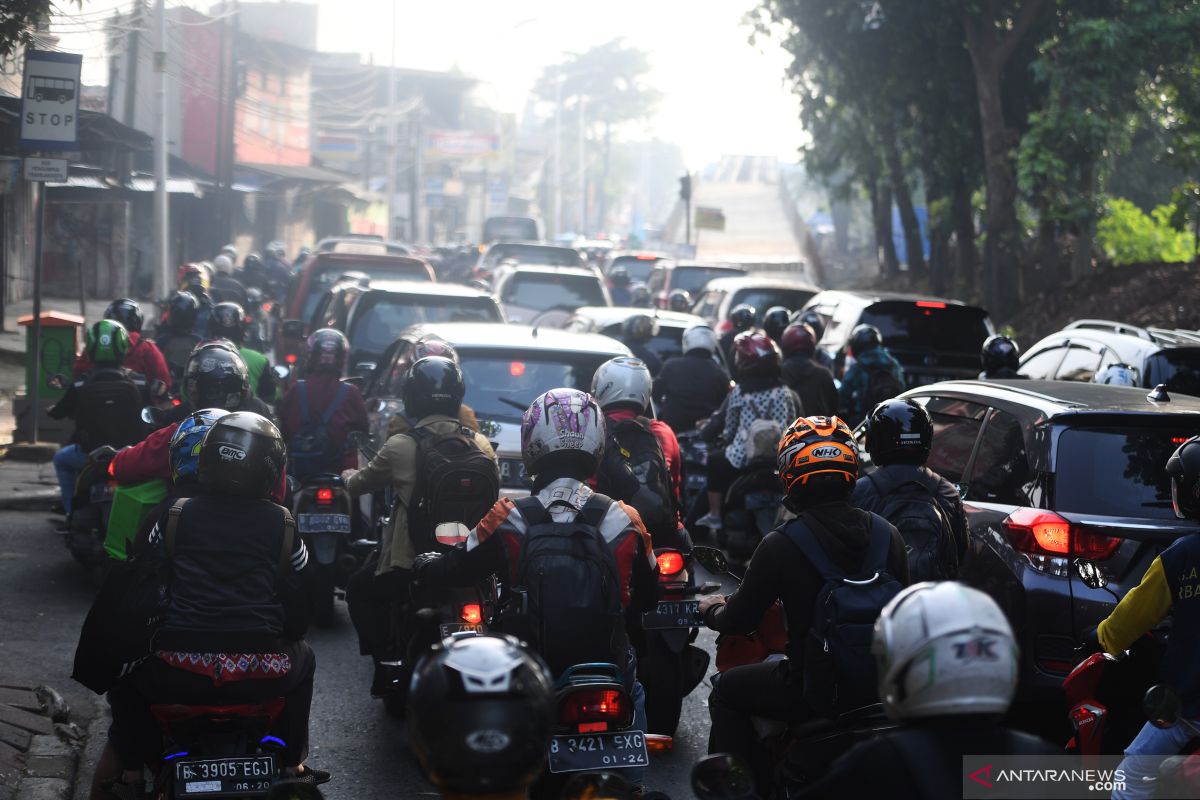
[1104,696]
[322,511]
[751,509]
[87,524]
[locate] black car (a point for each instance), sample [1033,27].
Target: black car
[934,339]
[1067,497]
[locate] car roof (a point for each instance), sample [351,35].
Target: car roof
[761,281]
[515,244]
[500,336]
[607,315]
[870,296]
[555,269]
[422,288]
[1067,397]
[1141,339]
[703,265]
[325,257]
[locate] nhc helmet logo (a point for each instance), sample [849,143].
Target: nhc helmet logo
[827,452]
[228,453]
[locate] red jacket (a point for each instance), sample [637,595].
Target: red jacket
[350,416]
[144,357]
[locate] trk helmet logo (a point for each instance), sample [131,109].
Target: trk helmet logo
[977,649]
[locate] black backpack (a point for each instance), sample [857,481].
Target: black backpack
[568,576]
[913,508]
[882,385]
[109,410]
[456,482]
[838,668]
[311,449]
[177,349]
[634,471]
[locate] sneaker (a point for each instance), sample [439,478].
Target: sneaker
[710,521]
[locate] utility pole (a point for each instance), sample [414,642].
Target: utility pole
[583,221]
[234,91]
[414,196]
[219,131]
[391,136]
[558,154]
[134,36]
[685,194]
[161,220]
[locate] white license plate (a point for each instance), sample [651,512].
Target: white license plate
[323,523]
[587,751]
[250,776]
[101,492]
[673,614]
[451,628]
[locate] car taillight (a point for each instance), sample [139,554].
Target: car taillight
[930,304]
[1039,532]
[472,614]
[324,496]
[110,468]
[670,562]
[591,710]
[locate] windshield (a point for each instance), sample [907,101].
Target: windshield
[639,269]
[762,299]
[958,329]
[1178,369]
[501,387]
[693,279]
[499,229]
[1118,472]
[543,291]
[665,344]
[325,276]
[533,254]
[380,318]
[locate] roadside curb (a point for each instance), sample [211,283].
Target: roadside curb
[39,745]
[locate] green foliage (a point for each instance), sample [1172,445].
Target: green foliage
[1128,235]
[19,19]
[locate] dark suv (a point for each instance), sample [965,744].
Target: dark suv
[1067,497]
[933,339]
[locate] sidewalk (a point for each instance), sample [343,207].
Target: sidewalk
[39,745]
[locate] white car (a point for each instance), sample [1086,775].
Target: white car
[761,291]
[527,291]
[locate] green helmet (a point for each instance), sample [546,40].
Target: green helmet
[107,343]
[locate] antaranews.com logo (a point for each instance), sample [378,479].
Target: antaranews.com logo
[999,777]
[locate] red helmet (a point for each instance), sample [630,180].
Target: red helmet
[799,339]
[754,353]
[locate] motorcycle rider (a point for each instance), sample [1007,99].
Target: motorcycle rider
[238,602]
[948,706]
[253,274]
[179,338]
[428,345]
[197,280]
[1170,586]
[775,321]
[690,387]
[874,376]
[225,287]
[760,394]
[228,321]
[639,295]
[636,333]
[801,372]
[105,402]
[813,320]
[1117,375]
[465,689]
[818,490]
[432,394]
[278,269]
[143,357]
[1001,357]
[680,301]
[618,287]
[741,319]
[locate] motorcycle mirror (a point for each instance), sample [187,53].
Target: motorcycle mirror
[722,777]
[1162,706]
[597,786]
[281,371]
[357,381]
[57,382]
[1092,576]
[363,369]
[711,559]
[294,790]
[151,416]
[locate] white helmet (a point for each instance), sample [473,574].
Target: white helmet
[622,380]
[223,263]
[562,420]
[230,250]
[1117,375]
[700,337]
[944,648]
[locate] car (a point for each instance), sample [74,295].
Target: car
[639,265]
[761,291]
[596,251]
[933,338]
[505,367]
[509,229]
[689,276]
[1067,499]
[610,320]
[374,313]
[525,253]
[527,291]
[363,244]
[1087,346]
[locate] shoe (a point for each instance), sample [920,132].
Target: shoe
[710,521]
[307,775]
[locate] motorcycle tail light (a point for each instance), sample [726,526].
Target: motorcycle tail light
[290,358]
[324,496]
[266,307]
[472,614]
[1082,716]
[110,469]
[594,707]
[670,562]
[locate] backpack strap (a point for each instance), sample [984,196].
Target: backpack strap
[594,511]
[533,512]
[800,534]
[289,537]
[338,397]
[173,515]
[879,540]
[302,396]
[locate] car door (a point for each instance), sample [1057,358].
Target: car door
[1041,363]
[1080,362]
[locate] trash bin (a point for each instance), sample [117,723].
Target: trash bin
[59,343]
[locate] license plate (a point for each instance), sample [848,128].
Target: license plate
[101,492]
[323,523]
[224,777]
[512,471]
[588,751]
[451,628]
[673,614]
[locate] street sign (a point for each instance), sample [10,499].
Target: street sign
[53,170]
[50,100]
[460,144]
[710,219]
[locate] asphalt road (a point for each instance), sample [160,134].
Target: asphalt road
[44,596]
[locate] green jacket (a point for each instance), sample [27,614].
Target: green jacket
[262,379]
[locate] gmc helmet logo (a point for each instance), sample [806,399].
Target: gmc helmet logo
[228,453]
[827,452]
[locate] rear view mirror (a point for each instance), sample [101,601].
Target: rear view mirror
[711,559]
[722,777]
[293,329]
[153,416]
[57,382]
[357,381]
[364,369]
[281,371]
[1162,706]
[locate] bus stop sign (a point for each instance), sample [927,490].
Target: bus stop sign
[50,100]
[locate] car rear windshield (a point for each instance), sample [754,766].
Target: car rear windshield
[325,276]
[929,325]
[380,317]
[1178,369]
[762,299]
[693,279]
[497,229]
[543,291]
[1118,471]
[501,387]
[533,254]
[639,269]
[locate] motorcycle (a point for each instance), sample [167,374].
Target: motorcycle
[1104,695]
[91,504]
[751,509]
[322,511]
[694,452]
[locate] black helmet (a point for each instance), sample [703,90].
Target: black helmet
[127,312]
[775,321]
[325,351]
[480,715]
[434,385]
[227,321]
[680,301]
[242,454]
[639,328]
[252,262]
[899,432]
[742,316]
[999,352]
[1183,468]
[812,319]
[639,295]
[181,312]
[864,339]
[215,377]
[619,277]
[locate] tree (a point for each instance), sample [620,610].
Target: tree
[18,22]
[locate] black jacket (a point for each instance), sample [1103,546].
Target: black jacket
[866,496]
[779,571]
[814,384]
[650,358]
[689,389]
[106,404]
[226,591]
[228,289]
[924,760]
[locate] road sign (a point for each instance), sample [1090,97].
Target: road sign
[50,100]
[460,144]
[710,219]
[53,170]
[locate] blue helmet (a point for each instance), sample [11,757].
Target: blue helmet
[185,442]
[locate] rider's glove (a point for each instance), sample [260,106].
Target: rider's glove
[425,564]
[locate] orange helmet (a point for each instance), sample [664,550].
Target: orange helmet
[818,460]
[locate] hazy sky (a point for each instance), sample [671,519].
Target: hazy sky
[721,94]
